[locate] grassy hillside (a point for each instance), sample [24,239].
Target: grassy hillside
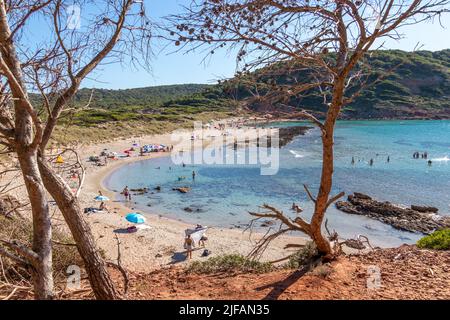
[120,113]
[414,85]
[417,87]
[142,97]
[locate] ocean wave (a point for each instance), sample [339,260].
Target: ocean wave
[297,155]
[443,159]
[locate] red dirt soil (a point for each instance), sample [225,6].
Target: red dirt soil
[405,273]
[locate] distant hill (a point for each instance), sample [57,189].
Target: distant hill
[416,86]
[143,97]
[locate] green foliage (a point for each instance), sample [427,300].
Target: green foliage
[302,256]
[412,84]
[228,263]
[438,240]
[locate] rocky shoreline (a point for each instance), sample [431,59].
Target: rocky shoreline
[287,134]
[419,219]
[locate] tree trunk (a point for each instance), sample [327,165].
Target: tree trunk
[326,179]
[323,245]
[42,273]
[99,278]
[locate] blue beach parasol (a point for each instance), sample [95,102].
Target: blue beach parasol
[101,198]
[135,217]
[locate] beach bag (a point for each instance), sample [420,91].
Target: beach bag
[206,253]
[132,229]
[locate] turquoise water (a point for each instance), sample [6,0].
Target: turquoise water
[225,193]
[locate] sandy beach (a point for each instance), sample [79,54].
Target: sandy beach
[162,245]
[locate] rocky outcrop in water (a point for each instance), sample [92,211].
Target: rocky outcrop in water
[182,189]
[415,219]
[287,134]
[139,191]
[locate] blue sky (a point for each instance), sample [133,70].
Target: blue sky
[176,68]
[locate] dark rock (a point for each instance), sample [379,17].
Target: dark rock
[268,223]
[362,196]
[424,209]
[187,209]
[406,219]
[182,189]
[139,191]
[287,134]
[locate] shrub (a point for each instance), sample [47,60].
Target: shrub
[322,271]
[438,240]
[302,257]
[227,263]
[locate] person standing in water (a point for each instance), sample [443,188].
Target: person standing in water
[126,193]
[371,162]
[388,159]
[193,175]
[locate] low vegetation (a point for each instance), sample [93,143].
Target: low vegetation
[302,257]
[438,240]
[412,85]
[229,263]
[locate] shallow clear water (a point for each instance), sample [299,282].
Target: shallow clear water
[225,193]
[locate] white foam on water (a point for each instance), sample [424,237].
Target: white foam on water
[443,159]
[297,155]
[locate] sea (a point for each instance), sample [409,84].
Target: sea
[222,195]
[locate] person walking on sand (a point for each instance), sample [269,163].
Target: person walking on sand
[188,244]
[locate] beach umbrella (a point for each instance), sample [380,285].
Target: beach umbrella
[135,217]
[101,198]
[59,159]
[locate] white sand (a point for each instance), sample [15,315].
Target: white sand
[162,244]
